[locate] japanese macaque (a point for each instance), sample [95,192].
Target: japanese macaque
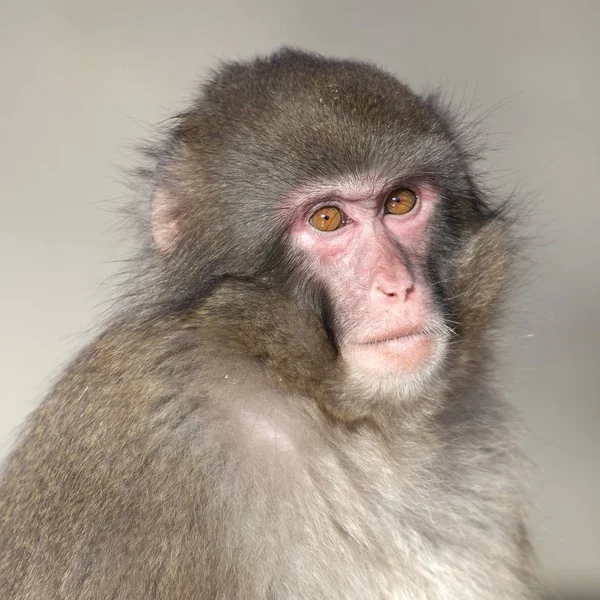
[293,401]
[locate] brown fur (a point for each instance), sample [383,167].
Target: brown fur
[206,446]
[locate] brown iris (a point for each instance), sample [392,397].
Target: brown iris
[400,202]
[328,218]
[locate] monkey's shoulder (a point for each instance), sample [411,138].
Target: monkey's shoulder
[183,378]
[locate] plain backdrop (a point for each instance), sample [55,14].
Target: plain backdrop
[84,82]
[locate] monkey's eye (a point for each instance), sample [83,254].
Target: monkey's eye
[328,218]
[400,202]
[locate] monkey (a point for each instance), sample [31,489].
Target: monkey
[295,398]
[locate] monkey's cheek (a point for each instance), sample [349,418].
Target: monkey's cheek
[409,354]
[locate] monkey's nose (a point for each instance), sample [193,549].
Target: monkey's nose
[391,290]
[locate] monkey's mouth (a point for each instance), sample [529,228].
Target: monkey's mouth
[407,351]
[391,337]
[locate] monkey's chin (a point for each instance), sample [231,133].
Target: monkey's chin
[409,355]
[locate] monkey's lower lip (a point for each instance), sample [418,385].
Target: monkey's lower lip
[407,352]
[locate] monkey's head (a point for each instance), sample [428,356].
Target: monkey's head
[331,181]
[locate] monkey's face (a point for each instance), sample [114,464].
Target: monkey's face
[366,241]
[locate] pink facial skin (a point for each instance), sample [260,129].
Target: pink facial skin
[373,269]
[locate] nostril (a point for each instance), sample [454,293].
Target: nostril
[395,291]
[392,286]
[386,291]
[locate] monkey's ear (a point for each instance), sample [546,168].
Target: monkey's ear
[165,220]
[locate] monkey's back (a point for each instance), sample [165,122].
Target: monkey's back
[158,468]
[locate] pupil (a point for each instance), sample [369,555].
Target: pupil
[326,217]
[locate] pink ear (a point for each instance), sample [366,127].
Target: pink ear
[165,219]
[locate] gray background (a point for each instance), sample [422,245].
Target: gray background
[84,82]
